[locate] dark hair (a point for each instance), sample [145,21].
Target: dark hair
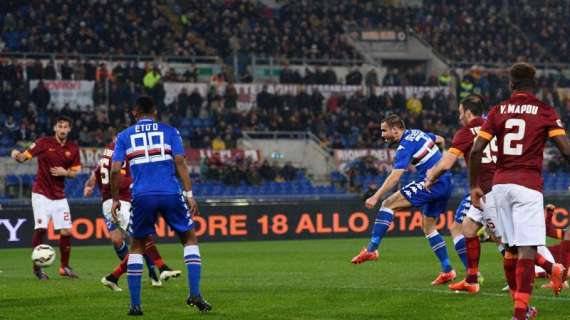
[145,105]
[474,103]
[63,118]
[394,120]
[522,76]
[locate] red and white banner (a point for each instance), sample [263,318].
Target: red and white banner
[77,94]
[381,158]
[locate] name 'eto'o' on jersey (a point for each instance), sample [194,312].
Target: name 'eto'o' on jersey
[150,148]
[417,148]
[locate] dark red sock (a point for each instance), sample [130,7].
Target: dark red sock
[565,255]
[473,253]
[555,250]
[38,237]
[64,250]
[152,252]
[121,268]
[510,267]
[525,279]
[543,263]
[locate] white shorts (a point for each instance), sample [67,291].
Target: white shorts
[124,215]
[520,212]
[487,216]
[46,209]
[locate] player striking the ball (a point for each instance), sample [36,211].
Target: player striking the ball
[58,158]
[521,125]
[155,156]
[101,177]
[419,149]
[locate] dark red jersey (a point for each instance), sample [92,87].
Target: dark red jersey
[521,124]
[103,175]
[51,154]
[461,147]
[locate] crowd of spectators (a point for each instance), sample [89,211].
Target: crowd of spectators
[461,30]
[339,120]
[246,171]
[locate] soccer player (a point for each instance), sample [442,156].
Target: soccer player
[464,231]
[100,176]
[58,158]
[521,125]
[419,149]
[155,156]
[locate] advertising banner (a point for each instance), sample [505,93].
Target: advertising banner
[281,220]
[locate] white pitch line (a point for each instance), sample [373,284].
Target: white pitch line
[488,294]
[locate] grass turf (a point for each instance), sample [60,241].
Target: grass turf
[309,279]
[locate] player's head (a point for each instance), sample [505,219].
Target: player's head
[522,77]
[61,127]
[144,107]
[470,108]
[392,128]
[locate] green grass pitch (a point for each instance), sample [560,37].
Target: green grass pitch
[309,279]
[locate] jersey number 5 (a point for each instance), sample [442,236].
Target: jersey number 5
[511,137]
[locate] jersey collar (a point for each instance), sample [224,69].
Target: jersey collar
[145,119]
[522,94]
[406,132]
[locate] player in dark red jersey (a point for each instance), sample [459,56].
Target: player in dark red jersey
[521,125]
[464,231]
[117,228]
[58,159]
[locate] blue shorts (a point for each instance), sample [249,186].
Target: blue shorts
[431,203]
[145,210]
[463,208]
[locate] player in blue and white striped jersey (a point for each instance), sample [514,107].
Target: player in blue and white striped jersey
[419,149]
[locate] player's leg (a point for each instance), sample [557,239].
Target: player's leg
[456,229]
[383,220]
[544,262]
[177,216]
[112,279]
[165,271]
[437,244]
[565,253]
[41,219]
[61,218]
[473,252]
[144,211]
[117,236]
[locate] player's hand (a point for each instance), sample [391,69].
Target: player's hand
[477,195]
[371,202]
[14,154]
[87,191]
[428,182]
[115,209]
[58,171]
[193,206]
[550,207]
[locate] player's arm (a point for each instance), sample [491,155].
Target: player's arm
[444,165]
[474,167]
[389,184]
[182,171]
[440,142]
[90,184]
[563,146]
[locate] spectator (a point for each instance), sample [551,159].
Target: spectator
[195,103]
[371,78]
[40,96]
[354,77]
[218,144]
[66,70]
[288,172]
[414,105]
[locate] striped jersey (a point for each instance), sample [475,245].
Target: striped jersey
[150,147]
[417,148]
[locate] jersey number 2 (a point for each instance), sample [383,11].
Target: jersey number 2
[517,148]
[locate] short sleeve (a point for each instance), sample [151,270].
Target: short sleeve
[120,149]
[36,148]
[76,162]
[554,124]
[462,142]
[487,131]
[403,157]
[176,144]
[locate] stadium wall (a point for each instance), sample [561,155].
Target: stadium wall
[244,220]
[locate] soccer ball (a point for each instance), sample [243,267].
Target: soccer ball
[43,255]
